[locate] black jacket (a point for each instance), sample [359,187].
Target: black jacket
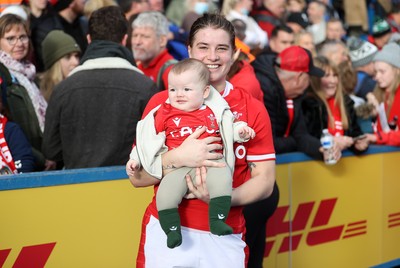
[92,115]
[316,116]
[40,27]
[275,101]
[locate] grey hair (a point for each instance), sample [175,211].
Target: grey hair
[152,19]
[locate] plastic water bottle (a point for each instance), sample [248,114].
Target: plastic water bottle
[327,145]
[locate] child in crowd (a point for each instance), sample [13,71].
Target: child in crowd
[192,103]
[386,96]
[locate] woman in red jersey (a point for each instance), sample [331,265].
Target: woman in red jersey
[211,40]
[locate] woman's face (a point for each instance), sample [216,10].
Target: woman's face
[384,74]
[15,42]
[68,63]
[213,48]
[329,83]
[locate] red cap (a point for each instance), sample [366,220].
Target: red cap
[298,59]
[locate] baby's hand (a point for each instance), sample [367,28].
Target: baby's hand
[247,133]
[131,167]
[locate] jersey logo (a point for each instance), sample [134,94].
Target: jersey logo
[177,121]
[236,115]
[173,228]
[221,216]
[212,119]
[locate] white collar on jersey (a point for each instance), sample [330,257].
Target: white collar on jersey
[227,90]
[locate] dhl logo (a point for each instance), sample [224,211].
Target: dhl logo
[30,256]
[320,232]
[36,256]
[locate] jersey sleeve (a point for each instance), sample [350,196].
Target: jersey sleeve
[261,148]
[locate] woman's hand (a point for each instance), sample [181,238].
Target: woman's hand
[343,142]
[370,138]
[361,144]
[197,186]
[50,165]
[337,151]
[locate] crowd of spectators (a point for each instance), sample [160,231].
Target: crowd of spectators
[55,39]
[312,64]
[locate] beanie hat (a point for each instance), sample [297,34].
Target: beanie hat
[390,54]
[56,45]
[361,52]
[380,28]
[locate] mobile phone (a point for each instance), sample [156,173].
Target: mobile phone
[359,137]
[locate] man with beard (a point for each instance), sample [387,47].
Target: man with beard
[149,41]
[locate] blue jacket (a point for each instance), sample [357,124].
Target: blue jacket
[20,148]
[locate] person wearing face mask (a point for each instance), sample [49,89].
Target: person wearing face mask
[196,9]
[255,37]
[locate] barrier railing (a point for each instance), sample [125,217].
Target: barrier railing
[346,215]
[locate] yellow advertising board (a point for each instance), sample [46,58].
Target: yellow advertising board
[79,225]
[346,215]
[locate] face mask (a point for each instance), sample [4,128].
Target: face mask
[244,11]
[200,8]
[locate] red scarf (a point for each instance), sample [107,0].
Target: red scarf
[7,165]
[290,108]
[337,129]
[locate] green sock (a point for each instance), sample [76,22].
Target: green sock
[218,212]
[171,225]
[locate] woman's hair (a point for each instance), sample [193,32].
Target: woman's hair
[214,21]
[298,37]
[380,92]
[227,6]
[348,76]
[8,21]
[92,5]
[192,64]
[326,65]
[50,79]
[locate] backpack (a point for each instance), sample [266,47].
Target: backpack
[160,82]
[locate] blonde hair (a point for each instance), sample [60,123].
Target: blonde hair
[50,79]
[93,5]
[327,65]
[227,6]
[380,92]
[298,37]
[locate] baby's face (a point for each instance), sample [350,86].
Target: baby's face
[185,91]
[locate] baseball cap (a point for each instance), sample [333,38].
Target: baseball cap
[298,59]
